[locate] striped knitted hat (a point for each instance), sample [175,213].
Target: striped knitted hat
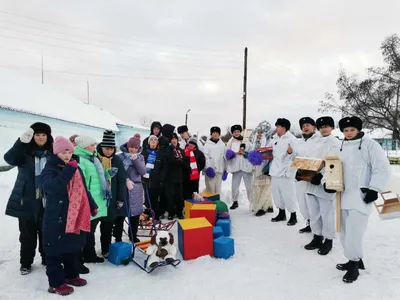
[108,139]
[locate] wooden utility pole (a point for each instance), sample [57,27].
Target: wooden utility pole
[42,69]
[245,89]
[88,94]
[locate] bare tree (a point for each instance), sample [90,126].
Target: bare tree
[146,121]
[375,99]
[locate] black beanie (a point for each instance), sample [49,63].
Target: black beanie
[306,120]
[182,129]
[174,136]
[167,130]
[325,121]
[283,122]
[236,127]
[215,129]
[350,122]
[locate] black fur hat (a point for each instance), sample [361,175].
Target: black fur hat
[306,120]
[182,129]
[325,121]
[215,129]
[284,123]
[236,127]
[350,122]
[40,127]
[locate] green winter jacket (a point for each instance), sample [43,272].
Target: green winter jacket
[92,179]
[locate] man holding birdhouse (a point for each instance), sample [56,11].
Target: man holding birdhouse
[284,145]
[321,204]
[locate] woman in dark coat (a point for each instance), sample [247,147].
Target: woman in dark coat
[66,218]
[29,153]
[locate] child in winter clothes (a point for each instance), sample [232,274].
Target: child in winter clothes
[173,177]
[155,130]
[96,181]
[366,173]
[214,151]
[106,153]
[66,218]
[238,165]
[196,160]
[135,168]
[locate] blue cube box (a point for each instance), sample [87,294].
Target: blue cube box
[224,247]
[225,224]
[217,232]
[119,252]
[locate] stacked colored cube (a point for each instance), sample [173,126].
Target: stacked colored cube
[225,224]
[195,238]
[190,203]
[119,252]
[224,247]
[207,211]
[217,232]
[210,196]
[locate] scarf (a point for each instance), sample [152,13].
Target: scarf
[106,162]
[239,138]
[307,136]
[194,175]
[177,154]
[78,217]
[151,160]
[40,162]
[214,141]
[127,161]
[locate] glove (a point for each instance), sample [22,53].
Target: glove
[112,171]
[225,175]
[246,155]
[316,180]
[73,163]
[120,204]
[134,156]
[328,190]
[27,136]
[210,172]
[229,154]
[129,184]
[298,176]
[370,196]
[94,212]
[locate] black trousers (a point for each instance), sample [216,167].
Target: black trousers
[190,187]
[105,237]
[62,267]
[29,233]
[119,228]
[173,192]
[163,201]
[154,194]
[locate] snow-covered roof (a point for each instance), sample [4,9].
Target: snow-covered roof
[378,133]
[120,122]
[22,94]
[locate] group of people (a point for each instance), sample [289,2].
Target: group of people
[66,187]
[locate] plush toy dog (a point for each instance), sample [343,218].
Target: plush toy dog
[161,249]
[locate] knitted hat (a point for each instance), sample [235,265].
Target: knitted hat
[39,127]
[215,129]
[350,122]
[325,121]
[236,127]
[306,120]
[84,141]
[153,137]
[167,130]
[182,129]
[108,139]
[62,144]
[134,142]
[283,122]
[193,141]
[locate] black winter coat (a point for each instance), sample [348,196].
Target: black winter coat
[118,185]
[22,203]
[200,161]
[155,179]
[174,170]
[55,178]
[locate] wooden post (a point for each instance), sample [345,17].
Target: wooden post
[338,210]
[245,89]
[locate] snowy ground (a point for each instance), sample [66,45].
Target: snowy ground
[270,263]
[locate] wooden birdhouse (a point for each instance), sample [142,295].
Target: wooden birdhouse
[334,173]
[388,206]
[308,167]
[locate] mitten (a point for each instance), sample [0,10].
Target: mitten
[134,156]
[129,184]
[120,204]
[27,136]
[316,179]
[210,172]
[298,175]
[94,212]
[370,196]
[229,154]
[112,171]
[73,163]
[225,175]
[328,190]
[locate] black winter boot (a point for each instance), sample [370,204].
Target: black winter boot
[260,213]
[345,267]
[352,272]
[270,209]
[306,229]
[280,217]
[235,205]
[326,247]
[293,219]
[316,243]
[25,270]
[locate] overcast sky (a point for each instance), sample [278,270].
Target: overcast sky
[166,57]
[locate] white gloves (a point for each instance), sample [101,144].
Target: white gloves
[27,136]
[134,156]
[129,184]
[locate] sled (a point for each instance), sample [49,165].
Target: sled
[388,206]
[140,258]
